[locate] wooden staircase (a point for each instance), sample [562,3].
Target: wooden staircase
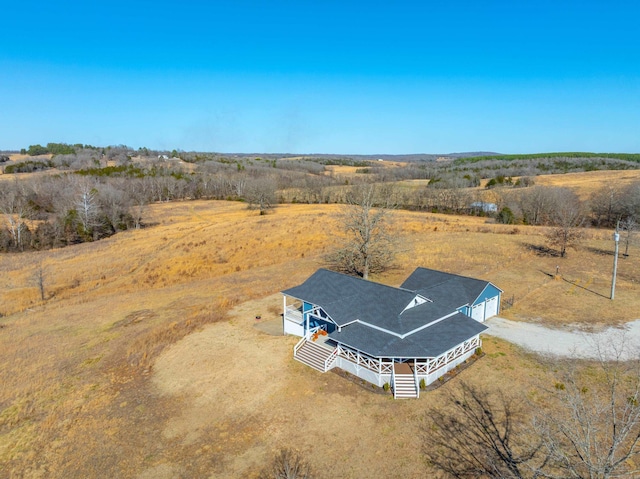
[404,383]
[314,355]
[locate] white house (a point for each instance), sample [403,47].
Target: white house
[484,207]
[383,334]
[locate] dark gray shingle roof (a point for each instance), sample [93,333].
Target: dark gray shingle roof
[347,299]
[441,286]
[430,342]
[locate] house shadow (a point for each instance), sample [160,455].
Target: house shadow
[542,250]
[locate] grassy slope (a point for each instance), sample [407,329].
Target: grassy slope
[588,182]
[90,390]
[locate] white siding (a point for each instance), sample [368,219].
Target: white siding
[293,328]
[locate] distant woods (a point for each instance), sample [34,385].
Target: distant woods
[84,193]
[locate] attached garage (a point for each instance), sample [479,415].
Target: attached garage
[487,304]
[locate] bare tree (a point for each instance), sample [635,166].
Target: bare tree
[629,226]
[536,204]
[287,464]
[114,204]
[631,200]
[39,278]
[595,433]
[15,207]
[587,426]
[481,435]
[368,247]
[139,192]
[567,218]
[606,205]
[261,193]
[87,206]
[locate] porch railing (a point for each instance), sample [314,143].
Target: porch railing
[299,345]
[293,314]
[426,368]
[330,359]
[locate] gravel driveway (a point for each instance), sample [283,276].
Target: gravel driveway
[567,342]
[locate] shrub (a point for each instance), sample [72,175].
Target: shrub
[386,386]
[506,216]
[287,464]
[423,384]
[35,150]
[524,181]
[28,166]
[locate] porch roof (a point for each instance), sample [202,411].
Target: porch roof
[430,342]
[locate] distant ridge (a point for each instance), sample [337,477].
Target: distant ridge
[635,157]
[381,156]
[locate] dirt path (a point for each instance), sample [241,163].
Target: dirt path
[569,342]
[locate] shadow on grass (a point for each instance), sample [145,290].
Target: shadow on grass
[573,283]
[601,252]
[542,250]
[606,252]
[585,288]
[551,275]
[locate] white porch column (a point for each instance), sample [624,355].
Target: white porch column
[306,321]
[284,311]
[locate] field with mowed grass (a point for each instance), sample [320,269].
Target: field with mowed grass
[146,360]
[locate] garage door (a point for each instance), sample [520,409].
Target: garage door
[477,312]
[492,307]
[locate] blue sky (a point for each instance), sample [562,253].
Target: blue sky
[323,77]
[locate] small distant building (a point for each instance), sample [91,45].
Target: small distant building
[163,157]
[484,207]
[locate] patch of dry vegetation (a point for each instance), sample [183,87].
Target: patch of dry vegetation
[130,369]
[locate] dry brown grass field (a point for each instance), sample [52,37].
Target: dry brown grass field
[146,360]
[583,183]
[587,182]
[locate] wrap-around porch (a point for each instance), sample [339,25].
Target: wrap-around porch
[377,370]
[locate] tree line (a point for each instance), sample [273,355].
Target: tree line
[94,203]
[102,190]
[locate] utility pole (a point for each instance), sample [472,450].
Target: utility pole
[616,238]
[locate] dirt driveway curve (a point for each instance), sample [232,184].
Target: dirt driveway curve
[569,342]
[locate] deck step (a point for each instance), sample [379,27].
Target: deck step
[404,386]
[313,355]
